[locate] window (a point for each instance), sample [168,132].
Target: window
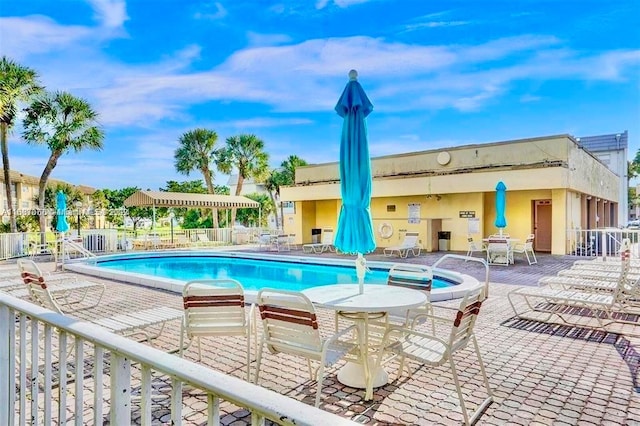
[288,207]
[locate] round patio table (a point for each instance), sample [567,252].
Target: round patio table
[374,302]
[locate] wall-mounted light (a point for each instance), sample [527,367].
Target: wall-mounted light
[589,197]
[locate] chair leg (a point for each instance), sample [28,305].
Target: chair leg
[310,369]
[258,361]
[463,407]
[319,382]
[248,352]
[181,347]
[199,350]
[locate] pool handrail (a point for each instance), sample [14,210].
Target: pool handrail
[473,259]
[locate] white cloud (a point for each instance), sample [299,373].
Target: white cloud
[261,122]
[257,39]
[111,13]
[218,12]
[321,4]
[37,34]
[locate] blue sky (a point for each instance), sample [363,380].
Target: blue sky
[439,73]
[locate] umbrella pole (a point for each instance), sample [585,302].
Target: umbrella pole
[361,269]
[62,250]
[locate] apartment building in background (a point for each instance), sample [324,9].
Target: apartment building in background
[24,189]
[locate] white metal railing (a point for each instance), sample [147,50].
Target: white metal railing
[54,369]
[603,242]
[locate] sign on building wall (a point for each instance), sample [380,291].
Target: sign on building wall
[288,207]
[414,213]
[467,213]
[474,225]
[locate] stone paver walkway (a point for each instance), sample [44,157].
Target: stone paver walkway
[540,374]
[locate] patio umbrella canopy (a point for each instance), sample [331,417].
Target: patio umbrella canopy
[61,212]
[501,204]
[355,231]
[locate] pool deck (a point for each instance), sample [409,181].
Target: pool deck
[540,374]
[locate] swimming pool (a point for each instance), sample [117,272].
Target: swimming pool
[253,274]
[170,270]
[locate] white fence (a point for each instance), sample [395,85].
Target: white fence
[55,369]
[112,240]
[604,242]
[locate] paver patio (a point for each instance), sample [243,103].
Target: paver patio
[540,374]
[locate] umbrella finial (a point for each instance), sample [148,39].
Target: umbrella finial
[353,75]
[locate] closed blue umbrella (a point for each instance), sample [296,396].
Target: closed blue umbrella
[62,225]
[355,230]
[61,212]
[501,205]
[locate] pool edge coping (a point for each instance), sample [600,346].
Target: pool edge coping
[84,267]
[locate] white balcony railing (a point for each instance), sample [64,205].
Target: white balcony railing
[55,369]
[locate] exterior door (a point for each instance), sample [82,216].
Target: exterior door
[542,225]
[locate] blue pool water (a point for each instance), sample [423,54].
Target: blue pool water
[252,274]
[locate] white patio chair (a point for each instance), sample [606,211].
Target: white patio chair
[265,241]
[125,324]
[325,245]
[282,242]
[526,248]
[474,246]
[290,326]
[499,252]
[216,308]
[409,244]
[433,350]
[65,290]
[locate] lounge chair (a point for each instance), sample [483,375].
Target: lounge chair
[325,245]
[434,350]
[202,240]
[410,244]
[67,290]
[569,305]
[593,279]
[215,308]
[290,326]
[124,324]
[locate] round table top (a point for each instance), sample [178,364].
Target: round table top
[375,298]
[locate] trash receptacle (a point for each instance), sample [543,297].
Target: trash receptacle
[444,238]
[316,236]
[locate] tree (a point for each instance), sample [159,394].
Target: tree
[17,84]
[272,185]
[289,167]
[246,154]
[288,176]
[249,217]
[64,123]
[196,152]
[116,203]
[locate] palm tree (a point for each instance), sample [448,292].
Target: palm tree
[196,152]
[272,185]
[289,168]
[17,83]
[246,154]
[288,175]
[64,123]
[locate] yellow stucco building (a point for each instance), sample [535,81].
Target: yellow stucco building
[553,187]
